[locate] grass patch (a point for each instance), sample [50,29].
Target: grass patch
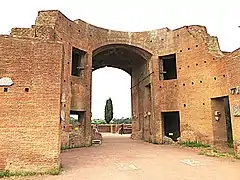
[66,147]
[71,147]
[237,157]
[214,153]
[234,155]
[209,150]
[7,173]
[230,145]
[194,144]
[54,171]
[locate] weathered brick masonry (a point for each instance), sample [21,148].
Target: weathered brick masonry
[35,110]
[29,128]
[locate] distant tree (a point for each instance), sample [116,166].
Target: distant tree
[98,121]
[122,121]
[108,111]
[72,120]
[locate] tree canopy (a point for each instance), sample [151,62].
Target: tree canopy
[108,111]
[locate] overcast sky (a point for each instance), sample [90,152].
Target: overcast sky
[221,17]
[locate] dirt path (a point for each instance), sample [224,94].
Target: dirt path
[120,158]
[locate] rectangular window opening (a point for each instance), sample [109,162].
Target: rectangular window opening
[76,117]
[171,123]
[167,67]
[77,62]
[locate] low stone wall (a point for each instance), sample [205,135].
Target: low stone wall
[75,136]
[113,128]
[104,128]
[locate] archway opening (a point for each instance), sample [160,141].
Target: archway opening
[134,61]
[111,83]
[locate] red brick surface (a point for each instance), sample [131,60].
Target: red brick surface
[29,138]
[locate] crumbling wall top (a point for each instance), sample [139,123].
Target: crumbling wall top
[50,20]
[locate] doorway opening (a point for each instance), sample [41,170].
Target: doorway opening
[133,61]
[222,125]
[171,124]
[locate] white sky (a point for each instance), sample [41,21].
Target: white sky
[114,83]
[221,17]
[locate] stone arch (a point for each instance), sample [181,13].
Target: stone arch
[119,55]
[125,42]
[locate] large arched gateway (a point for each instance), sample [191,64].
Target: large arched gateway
[135,61]
[183,85]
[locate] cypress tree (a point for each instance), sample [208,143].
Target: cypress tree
[108,111]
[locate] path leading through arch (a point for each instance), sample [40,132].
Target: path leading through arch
[120,158]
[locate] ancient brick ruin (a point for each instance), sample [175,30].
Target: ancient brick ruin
[182,85]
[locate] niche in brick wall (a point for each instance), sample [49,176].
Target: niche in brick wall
[77,62]
[167,67]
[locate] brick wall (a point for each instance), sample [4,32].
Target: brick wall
[232,65]
[29,138]
[199,70]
